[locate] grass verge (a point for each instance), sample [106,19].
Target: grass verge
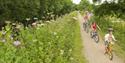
[55,42]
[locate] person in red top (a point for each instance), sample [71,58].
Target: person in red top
[94,26]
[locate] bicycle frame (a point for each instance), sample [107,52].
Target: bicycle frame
[95,36]
[109,50]
[86,26]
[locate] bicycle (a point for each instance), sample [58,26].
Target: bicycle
[109,50]
[95,36]
[86,27]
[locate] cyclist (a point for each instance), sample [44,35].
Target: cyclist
[86,16]
[93,28]
[109,37]
[85,21]
[90,14]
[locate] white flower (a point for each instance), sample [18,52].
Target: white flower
[11,37]
[34,24]
[35,18]
[54,33]
[70,50]
[35,40]
[18,26]
[38,28]
[71,58]
[27,19]
[57,36]
[38,25]
[47,21]
[61,52]
[17,43]
[52,20]
[74,18]
[3,32]
[4,40]
[42,24]
[26,27]
[49,43]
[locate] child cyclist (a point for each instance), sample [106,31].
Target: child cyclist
[109,38]
[94,27]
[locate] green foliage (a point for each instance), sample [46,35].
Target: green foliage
[84,5]
[111,8]
[15,10]
[95,1]
[55,42]
[55,7]
[18,10]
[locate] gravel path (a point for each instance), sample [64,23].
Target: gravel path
[94,52]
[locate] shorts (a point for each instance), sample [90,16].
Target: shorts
[106,43]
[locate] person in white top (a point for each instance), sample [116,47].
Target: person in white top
[90,14]
[109,37]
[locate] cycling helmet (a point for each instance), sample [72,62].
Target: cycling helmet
[110,28]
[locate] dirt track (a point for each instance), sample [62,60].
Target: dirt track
[94,52]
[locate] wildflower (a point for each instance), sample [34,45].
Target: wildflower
[18,26]
[57,36]
[42,24]
[34,24]
[52,20]
[38,28]
[3,40]
[38,25]
[3,32]
[35,40]
[35,18]
[11,37]
[61,52]
[54,33]
[70,50]
[71,58]
[17,43]
[49,43]
[27,19]
[74,18]
[47,21]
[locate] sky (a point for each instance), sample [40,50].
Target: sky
[78,1]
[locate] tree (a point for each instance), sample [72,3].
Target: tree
[112,8]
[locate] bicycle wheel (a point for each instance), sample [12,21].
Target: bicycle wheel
[91,34]
[85,26]
[111,56]
[87,29]
[110,51]
[96,37]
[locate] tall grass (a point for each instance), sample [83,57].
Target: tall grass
[55,42]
